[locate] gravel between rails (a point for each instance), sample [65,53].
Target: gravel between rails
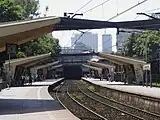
[62,94]
[128,108]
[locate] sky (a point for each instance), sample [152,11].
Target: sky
[104,12]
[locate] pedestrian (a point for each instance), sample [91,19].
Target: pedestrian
[30,79]
[8,86]
[109,78]
[125,77]
[101,77]
[22,79]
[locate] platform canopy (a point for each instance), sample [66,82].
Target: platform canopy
[20,32]
[47,65]
[23,31]
[101,65]
[92,67]
[120,59]
[56,67]
[28,60]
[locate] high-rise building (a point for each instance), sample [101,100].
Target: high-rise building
[122,38]
[89,39]
[82,47]
[107,43]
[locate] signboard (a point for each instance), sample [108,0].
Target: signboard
[147,67]
[11,48]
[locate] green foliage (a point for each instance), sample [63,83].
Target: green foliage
[139,44]
[20,55]
[9,11]
[56,47]
[30,8]
[43,45]
[129,47]
[12,10]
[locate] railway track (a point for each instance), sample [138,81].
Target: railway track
[102,108]
[90,105]
[146,103]
[127,109]
[67,100]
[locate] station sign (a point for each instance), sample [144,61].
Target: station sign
[11,48]
[147,67]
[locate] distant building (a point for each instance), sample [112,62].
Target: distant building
[68,50]
[88,39]
[122,38]
[82,47]
[107,43]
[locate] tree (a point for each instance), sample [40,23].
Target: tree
[56,47]
[45,44]
[129,46]
[12,10]
[9,11]
[30,8]
[143,44]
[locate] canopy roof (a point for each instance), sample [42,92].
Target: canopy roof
[101,65]
[92,67]
[20,32]
[121,59]
[28,60]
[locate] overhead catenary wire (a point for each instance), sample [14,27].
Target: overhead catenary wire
[127,10]
[148,11]
[123,13]
[77,39]
[82,7]
[95,7]
[86,12]
[111,17]
[79,10]
[152,10]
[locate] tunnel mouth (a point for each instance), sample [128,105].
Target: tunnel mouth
[72,72]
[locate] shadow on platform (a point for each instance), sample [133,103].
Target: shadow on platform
[22,106]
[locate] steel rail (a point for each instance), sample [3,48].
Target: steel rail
[85,106]
[101,117]
[129,106]
[132,115]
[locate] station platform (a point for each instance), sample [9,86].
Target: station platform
[32,103]
[140,90]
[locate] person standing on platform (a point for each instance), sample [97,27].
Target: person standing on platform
[30,78]
[125,77]
[22,79]
[109,78]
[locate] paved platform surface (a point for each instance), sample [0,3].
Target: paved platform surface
[32,103]
[147,91]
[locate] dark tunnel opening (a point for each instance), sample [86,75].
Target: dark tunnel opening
[72,71]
